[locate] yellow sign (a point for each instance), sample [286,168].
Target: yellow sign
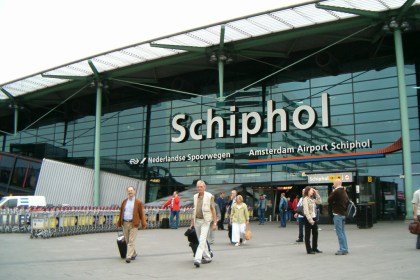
[369,179]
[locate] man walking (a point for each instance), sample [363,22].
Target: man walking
[131,214]
[174,203]
[222,206]
[339,200]
[416,212]
[262,207]
[204,214]
[283,204]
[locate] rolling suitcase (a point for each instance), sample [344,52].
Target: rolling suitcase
[122,245]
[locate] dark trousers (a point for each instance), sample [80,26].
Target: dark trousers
[308,229]
[220,224]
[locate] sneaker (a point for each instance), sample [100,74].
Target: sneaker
[341,253]
[237,244]
[244,242]
[299,240]
[197,264]
[204,261]
[127,260]
[133,257]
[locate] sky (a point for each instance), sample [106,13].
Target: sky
[38,35]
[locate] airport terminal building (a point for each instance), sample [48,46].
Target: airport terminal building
[268,103]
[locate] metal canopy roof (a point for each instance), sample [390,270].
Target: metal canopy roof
[282,20]
[247,38]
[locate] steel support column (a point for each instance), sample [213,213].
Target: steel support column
[97,160]
[405,129]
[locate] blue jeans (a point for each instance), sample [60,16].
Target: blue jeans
[171,219]
[301,223]
[289,215]
[283,218]
[261,215]
[339,222]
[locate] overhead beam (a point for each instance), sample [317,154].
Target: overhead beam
[201,50]
[66,77]
[8,94]
[404,9]
[263,54]
[365,13]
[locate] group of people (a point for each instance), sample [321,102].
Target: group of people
[308,222]
[205,218]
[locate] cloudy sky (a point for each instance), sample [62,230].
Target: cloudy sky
[43,34]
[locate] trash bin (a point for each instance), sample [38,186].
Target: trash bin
[364,216]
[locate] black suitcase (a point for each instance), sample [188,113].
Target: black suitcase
[165,223]
[122,246]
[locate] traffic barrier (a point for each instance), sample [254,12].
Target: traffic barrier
[47,222]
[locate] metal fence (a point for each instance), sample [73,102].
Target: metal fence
[46,222]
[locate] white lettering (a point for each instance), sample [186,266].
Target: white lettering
[246,119]
[252,122]
[297,116]
[180,128]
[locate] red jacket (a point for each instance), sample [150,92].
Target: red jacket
[176,205]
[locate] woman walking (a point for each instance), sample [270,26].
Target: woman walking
[239,218]
[310,199]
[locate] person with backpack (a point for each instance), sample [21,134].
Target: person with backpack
[339,200]
[283,204]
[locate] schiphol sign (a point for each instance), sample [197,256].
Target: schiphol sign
[252,122]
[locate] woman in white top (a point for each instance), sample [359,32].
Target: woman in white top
[239,218]
[310,199]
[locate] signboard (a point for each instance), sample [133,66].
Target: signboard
[346,177]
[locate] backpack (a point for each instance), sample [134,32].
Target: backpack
[283,204]
[351,210]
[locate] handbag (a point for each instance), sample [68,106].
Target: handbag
[299,210]
[248,233]
[414,227]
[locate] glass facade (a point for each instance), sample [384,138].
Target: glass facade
[363,106]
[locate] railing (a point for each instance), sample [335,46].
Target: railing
[46,222]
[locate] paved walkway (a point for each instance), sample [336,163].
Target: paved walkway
[386,251]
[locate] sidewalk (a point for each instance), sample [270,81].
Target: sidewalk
[386,251]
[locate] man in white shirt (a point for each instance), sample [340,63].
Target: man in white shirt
[204,214]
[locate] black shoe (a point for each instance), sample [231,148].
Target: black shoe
[127,260]
[311,252]
[204,261]
[299,240]
[317,251]
[197,264]
[133,257]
